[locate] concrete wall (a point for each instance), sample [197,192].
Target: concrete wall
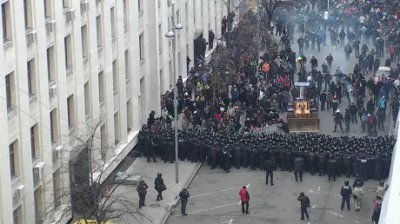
[141,85]
[391,200]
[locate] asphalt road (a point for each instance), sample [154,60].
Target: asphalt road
[347,66]
[215,200]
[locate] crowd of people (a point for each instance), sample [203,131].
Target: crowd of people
[334,156]
[219,130]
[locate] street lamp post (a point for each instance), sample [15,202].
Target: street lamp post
[171,35]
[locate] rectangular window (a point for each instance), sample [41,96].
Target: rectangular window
[13,149]
[47,9]
[115,76]
[31,77]
[34,141]
[38,200]
[186,20]
[85,44]
[6,17]
[103,142]
[17,216]
[179,63]
[140,6]
[99,30]
[10,94]
[66,3]
[54,126]
[68,53]
[112,15]
[101,88]
[57,188]
[127,68]
[28,14]
[116,128]
[161,81]
[71,111]
[51,65]
[194,12]
[129,116]
[87,99]
[125,5]
[160,39]
[141,47]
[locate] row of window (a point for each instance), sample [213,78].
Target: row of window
[48,13]
[34,133]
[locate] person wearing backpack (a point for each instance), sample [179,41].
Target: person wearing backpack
[159,186]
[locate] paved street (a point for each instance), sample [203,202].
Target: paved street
[326,118]
[215,199]
[215,196]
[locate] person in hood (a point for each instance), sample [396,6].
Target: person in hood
[244,198]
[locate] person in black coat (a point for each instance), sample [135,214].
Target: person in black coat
[269,168]
[322,99]
[159,186]
[298,168]
[184,195]
[332,168]
[346,192]
[304,203]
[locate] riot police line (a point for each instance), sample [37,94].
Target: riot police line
[367,157]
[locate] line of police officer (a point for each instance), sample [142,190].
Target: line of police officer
[364,156]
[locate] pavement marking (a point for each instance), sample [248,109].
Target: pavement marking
[355,221]
[323,193]
[207,209]
[228,222]
[336,214]
[341,216]
[214,192]
[319,188]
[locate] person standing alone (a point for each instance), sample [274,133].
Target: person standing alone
[346,192]
[298,164]
[159,186]
[244,198]
[269,168]
[142,191]
[304,203]
[184,195]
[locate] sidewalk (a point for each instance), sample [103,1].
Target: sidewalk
[156,211]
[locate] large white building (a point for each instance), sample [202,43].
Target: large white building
[68,65]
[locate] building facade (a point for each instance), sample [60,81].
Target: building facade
[72,69]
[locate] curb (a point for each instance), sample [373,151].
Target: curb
[169,208]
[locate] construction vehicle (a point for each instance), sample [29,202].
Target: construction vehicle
[302,114]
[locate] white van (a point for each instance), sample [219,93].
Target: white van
[382,74]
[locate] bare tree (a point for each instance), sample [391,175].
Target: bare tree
[223,69]
[90,195]
[228,4]
[270,6]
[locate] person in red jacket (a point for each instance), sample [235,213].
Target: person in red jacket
[244,198]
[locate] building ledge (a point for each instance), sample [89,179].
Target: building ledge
[121,151]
